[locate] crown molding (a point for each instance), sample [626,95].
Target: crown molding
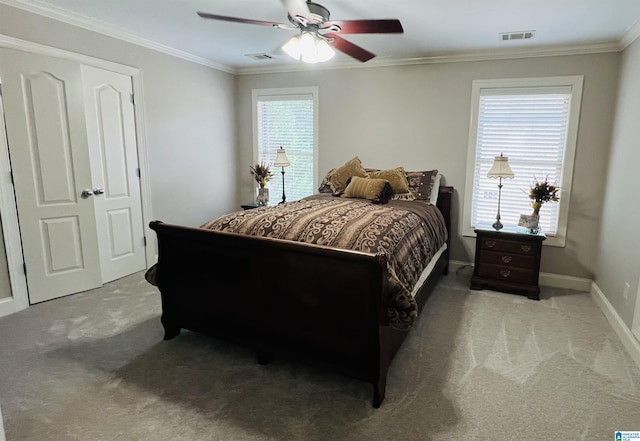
[94,25]
[457,58]
[630,35]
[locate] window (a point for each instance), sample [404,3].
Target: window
[287,118]
[534,122]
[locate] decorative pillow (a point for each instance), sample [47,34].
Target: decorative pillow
[421,184]
[376,190]
[339,177]
[397,179]
[403,197]
[324,185]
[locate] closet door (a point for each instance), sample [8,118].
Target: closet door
[114,162]
[46,132]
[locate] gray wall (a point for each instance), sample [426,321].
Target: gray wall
[619,258]
[189,110]
[418,117]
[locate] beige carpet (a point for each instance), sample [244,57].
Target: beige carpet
[478,365]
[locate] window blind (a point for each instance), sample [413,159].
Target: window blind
[529,126]
[288,122]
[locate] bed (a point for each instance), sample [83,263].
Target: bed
[293,281]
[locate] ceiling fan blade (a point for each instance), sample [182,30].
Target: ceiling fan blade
[298,8]
[242,20]
[349,48]
[391,26]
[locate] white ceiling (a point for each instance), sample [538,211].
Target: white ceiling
[433,29]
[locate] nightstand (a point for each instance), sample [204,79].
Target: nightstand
[508,260]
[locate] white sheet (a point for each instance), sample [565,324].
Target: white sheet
[428,270]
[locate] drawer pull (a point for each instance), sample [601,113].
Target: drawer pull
[506,259]
[490,243]
[505,273]
[525,248]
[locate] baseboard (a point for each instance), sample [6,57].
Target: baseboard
[8,306]
[546,279]
[568,282]
[631,344]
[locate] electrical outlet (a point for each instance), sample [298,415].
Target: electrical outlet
[625,293]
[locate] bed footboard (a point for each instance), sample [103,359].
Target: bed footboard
[315,304]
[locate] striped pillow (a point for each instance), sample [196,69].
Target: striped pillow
[376,190]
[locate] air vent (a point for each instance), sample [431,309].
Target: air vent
[520,35]
[260,57]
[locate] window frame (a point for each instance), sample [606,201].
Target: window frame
[575,82]
[286,92]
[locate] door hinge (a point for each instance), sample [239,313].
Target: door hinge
[12,181]
[133,99]
[139,173]
[144,239]
[24,268]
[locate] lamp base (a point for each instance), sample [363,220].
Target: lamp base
[497,225]
[284,198]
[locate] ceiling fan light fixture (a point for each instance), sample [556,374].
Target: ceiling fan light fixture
[308,47]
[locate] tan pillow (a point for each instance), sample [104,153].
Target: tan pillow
[365,188]
[340,176]
[396,178]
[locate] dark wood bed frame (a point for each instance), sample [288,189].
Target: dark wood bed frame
[309,303]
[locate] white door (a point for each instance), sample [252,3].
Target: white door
[46,132]
[71,136]
[114,163]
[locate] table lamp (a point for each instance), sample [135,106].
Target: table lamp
[282,161]
[499,170]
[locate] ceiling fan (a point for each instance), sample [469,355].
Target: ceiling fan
[318,33]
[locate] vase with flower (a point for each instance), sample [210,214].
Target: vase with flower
[262,174]
[541,192]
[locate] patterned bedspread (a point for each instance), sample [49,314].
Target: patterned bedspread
[403,234]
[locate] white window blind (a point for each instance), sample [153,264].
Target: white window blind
[529,126]
[287,121]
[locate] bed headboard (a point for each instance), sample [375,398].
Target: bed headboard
[444,204]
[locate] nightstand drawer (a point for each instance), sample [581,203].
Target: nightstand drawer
[506,273]
[511,246]
[508,259]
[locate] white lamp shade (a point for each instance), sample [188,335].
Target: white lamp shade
[500,168]
[281,159]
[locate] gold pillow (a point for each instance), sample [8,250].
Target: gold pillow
[340,176]
[365,188]
[396,178]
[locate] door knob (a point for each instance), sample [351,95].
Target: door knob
[98,191]
[87,192]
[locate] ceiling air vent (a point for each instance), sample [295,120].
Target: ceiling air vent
[260,57]
[520,35]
